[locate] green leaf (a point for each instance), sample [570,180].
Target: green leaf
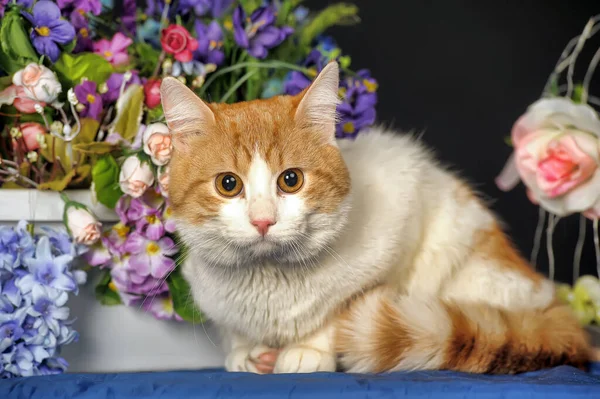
[182,299]
[17,50]
[97,147]
[71,68]
[155,115]
[130,107]
[148,57]
[71,46]
[336,14]
[105,175]
[105,294]
[59,184]
[83,172]
[5,81]
[578,93]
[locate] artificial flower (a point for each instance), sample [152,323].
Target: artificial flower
[151,257]
[82,225]
[176,40]
[38,82]
[115,50]
[556,155]
[135,177]
[30,132]
[210,43]
[258,33]
[152,93]
[89,98]
[49,30]
[158,143]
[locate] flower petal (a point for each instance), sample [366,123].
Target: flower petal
[45,13]
[62,32]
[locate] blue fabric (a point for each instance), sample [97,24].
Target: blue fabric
[560,383]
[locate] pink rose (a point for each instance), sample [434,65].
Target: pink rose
[176,40]
[83,226]
[158,143]
[39,83]
[152,93]
[135,177]
[17,96]
[30,132]
[557,156]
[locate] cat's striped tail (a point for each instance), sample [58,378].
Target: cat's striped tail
[377,333]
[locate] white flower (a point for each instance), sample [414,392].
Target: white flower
[157,143]
[163,180]
[135,177]
[83,226]
[39,83]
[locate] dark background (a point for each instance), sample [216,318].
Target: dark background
[463,72]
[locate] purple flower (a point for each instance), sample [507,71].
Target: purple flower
[81,6]
[89,98]
[161,307]
[15,245]
[82,27]
[151,225]
[203,7]
[358,107]
[168,220]
[129,16]
[298,81]
[10,328]
[114,83]
[48,305]
[210,43]
[151,258]
[48,29]
[259,33]
[47,270]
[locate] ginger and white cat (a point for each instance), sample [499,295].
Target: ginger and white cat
[365,255]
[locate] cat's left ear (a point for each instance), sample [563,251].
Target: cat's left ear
[185,112]
[319,102]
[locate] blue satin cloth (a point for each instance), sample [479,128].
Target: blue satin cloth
[557,383]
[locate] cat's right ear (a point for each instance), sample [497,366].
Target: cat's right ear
[186,114]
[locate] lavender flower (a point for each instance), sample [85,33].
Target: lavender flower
[210,43]
[258,34]
[89,99]
[113,86]
[357,110]
[47,270]
[150,257]
[48,29]
[161,307]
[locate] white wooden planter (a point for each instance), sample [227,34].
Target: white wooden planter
[114,338]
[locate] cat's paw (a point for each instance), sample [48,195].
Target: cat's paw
[304,359]
[258,359]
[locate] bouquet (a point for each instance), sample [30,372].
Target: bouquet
[80,108]
[36,279]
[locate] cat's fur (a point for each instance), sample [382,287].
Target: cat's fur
[384,260]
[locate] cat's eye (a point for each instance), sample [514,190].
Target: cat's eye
[290,181]
[229,184]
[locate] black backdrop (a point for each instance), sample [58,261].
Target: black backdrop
[464,71]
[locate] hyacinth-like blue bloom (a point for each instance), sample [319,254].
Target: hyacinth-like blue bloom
[35,282]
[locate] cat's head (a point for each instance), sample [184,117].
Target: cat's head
[257,180]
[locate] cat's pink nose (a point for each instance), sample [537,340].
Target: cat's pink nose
[262,225]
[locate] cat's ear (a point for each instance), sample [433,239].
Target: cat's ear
[319,102]
[185,112]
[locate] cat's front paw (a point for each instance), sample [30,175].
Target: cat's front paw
[304,359]
[258,359]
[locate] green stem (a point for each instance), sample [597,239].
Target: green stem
[238,84]
[65,197]
[268,64]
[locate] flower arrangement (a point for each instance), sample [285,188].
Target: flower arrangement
[556,156]
[36,279]
[80,108]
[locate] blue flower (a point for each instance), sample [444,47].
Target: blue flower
[10,328]
[48,270]
[258,33]
[15,245]
[48,305]
[49,30]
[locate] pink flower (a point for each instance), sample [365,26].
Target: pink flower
[39,83]
[152,93]
[135,177]
[17,96]
[557,156]
[83,226]
[157,143]
[115,51]
[176,40]
[30,132]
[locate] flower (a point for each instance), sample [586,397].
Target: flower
[258,33]
[135,177]
[176,40]
[115,50]
[30,132]
[163,180]
[82,225]
[16,96]
[82,27]
[152,93]
[47,270]
[157,143]
[358,107]
[48,304]
[203,7]
[113,85]
[81,6]
[210,43]
[557,155]
[48,29]
[38,82]
[168,220]
[129,18]
[90,99]
[161,307]
[151,257]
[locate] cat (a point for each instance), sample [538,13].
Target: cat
[361,255]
